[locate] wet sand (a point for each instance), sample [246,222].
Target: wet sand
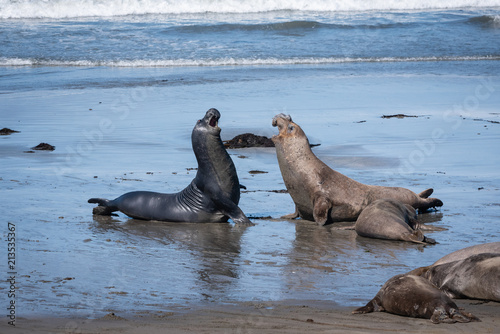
[72,269]
[263,317]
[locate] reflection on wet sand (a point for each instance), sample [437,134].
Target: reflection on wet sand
[293,259]
[214,248]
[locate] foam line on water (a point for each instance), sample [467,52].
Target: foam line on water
[106,8]
[232,61]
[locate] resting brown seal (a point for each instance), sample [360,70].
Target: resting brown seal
[414,296]
[322,194]
[389,219]
[476,277]
[212,196]
[461,254]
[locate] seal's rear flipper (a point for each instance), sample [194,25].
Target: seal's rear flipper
[103,211]
[416,237]
[462,316]
[430,240]
[105,207]
[100,201]
[373,305]
[426,193]
[428,203]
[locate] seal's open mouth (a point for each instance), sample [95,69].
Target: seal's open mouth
[213,121]
[212,118]
[281,121]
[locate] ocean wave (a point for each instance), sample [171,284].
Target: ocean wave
[290,25]
[488,20]
[280,26]
[7,62]
[10,9]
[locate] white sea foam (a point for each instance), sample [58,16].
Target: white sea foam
[83,8]
[5,62]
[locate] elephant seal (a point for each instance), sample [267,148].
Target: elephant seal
[461,254]
[476,277]
[212,196]
[323,194]
[416,297]
[389,219]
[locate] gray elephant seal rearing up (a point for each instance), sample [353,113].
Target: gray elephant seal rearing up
[322,194]
[212,196]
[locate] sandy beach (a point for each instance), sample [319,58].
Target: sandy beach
[261,317]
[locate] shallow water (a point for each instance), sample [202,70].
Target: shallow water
[73,264]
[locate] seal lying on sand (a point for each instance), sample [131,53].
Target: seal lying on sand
[476,277]
[414,296]
[389,219]
[212,196]
[322,194]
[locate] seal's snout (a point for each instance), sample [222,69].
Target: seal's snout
[281,116]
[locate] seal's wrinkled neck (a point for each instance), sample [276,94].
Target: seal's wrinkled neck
[214,163]
[207,144]
[205,138]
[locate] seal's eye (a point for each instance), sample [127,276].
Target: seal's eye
[291,128]
[213,121]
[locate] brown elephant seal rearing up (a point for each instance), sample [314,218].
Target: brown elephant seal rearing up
[392,220]
[414,296]
[322,194]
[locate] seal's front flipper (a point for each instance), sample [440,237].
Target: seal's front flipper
[234,212]
[414,224]
[242,221]
[321,208]
[239,218]
[440,316]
